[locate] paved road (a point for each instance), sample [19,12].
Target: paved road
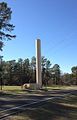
[8,101]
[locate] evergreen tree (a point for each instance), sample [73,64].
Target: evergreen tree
[5,26]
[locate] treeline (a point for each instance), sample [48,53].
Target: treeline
[24,71]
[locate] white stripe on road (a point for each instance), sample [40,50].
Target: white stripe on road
[25,105]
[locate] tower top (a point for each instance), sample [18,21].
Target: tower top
[38,39]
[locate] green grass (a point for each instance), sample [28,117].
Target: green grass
[56,109]
[70,100]
[52,110]
[10,88]
[60,87]
[14,89]
[17,89]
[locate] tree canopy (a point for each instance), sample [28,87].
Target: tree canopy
[15,72]
[5,26]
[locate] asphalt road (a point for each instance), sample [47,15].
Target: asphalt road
[10,102]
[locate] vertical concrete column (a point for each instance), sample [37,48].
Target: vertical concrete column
[38,64]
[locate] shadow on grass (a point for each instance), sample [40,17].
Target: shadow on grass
[69,100]
[3,93]
[49,111]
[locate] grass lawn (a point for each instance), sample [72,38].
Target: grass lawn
[13,89]
[57,109]
[8,88]
[60,87]
[54,87]
[18,90]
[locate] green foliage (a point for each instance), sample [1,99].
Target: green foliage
[5,26]
[24,71]
[74,74]
[56,74]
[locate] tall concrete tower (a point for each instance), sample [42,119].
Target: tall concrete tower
[38,64]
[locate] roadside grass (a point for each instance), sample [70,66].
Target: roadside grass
[69,100]
[10,88]
[56,109]
[61,87]
[53,87]
[19,90]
